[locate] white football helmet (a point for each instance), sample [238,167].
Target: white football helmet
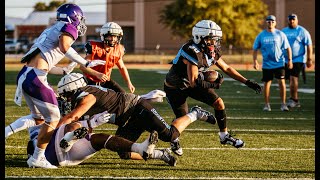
[111,28]
[71,82]
[206,28]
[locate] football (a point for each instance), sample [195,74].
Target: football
[210,75]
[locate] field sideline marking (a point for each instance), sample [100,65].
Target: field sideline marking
[112,177]
[208,149]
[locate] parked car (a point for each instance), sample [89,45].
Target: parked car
[12,46]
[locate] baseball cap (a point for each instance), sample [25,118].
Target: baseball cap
[271,17]
[292,16]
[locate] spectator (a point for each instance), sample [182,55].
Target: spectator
[300,40]
[272,44]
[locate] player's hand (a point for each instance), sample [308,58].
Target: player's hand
[131,88]
[95,63]
[218,82]
[104,117]
[253,85]
[102,77]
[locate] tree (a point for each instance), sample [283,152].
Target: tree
[53,5]
[240,20]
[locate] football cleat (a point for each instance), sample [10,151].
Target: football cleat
[42,162]
[70,138]
[176,148]
[203,115]
[168,158]
[228,139]
[153,139]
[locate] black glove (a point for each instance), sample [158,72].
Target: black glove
[253,85]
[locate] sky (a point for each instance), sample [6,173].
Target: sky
[22,8]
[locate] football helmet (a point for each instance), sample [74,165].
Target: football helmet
[113,29]
[72,14]
[70,83]
[208,35]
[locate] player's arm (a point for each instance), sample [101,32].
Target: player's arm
[230,71]
[87,70]
[83,106]
[192,71]
[125,75]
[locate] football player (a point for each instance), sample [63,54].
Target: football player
[133,115]
[181,82]
[111,51]
[50,47]
[85,144]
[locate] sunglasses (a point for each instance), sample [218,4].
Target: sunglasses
[270,21]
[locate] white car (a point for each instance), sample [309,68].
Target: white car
[12,46]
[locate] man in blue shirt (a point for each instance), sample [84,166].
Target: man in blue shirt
[272,43]
[300,40]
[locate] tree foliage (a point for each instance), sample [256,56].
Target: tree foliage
[240,20]
[53,5]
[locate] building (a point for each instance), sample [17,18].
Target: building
[31,27]
[140,21]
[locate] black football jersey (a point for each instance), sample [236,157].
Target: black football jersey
[107,100]
[192,53]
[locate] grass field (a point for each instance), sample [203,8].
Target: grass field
[279,145]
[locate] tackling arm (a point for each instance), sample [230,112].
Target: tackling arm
[83,106]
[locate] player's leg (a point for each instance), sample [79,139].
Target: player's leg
[210,97]
[177,100]
[40,97]
[20,124]
[119,144]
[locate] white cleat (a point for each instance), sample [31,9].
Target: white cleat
[40,163]
[70,138]
[153,139]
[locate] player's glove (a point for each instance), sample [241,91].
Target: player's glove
[102,118]
[253,85]
[95,63]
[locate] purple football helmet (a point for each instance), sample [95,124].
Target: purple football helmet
[72,14]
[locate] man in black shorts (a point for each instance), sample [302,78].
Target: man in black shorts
[133,114]
[182,80]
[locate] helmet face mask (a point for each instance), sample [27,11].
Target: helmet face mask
[70,83]
[108,31]
[208,35]
[72,14]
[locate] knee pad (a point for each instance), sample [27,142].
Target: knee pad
[124,155]
[221,117]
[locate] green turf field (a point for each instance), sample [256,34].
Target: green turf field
[279,145]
